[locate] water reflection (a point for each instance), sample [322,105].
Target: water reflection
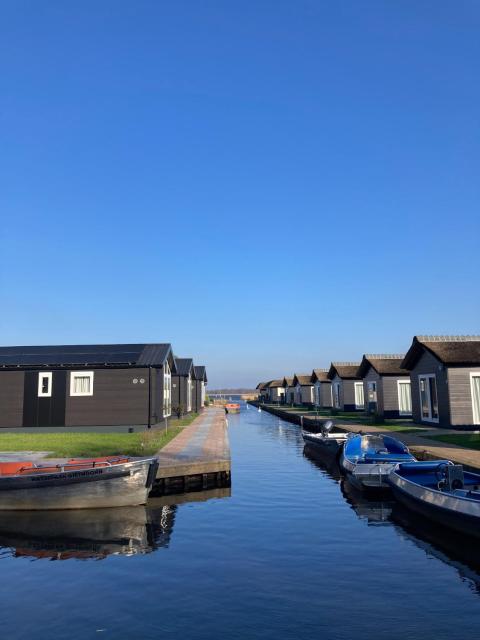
[94,533]
[453,549]
[375,511]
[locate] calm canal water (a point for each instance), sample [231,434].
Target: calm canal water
[293,553]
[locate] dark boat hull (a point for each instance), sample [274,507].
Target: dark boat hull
[460,522]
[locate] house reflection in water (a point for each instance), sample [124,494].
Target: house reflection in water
[94,533]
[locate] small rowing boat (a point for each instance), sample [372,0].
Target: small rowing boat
[77,484]
[368,459]
[232,407]
[441,491]
[327,441]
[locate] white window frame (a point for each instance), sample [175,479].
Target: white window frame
[42,375]
[189,394]
[80,374]
[202,393]
[167,390]
[475,411]
[427,376]
[400,412]
[359,385]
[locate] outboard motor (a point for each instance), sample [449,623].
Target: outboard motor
[326,427]
[452,478]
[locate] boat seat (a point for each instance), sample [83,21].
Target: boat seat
[382,457]
[11,468]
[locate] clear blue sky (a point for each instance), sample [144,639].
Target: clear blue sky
[268,185]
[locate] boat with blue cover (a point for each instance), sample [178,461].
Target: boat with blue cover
[368,459]
[442,491]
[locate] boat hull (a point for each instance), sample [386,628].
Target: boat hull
[121,485]
[445,509]
[367,476]
[326,444]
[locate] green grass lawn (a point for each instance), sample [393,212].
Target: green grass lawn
[85,445]
[467,440]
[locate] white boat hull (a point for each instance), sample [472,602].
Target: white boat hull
[122,485]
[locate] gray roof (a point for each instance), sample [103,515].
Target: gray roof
[383,364]
[450,350]
[126,355]
[200,372]
[183,366]
[288,382]
[262,385]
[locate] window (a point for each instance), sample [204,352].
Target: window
[167,391]
[81,383]
[475,385]
[359,397]
[372,391]
[428,397]
[404,398]
[45,384]
[202,394]
[336,395]
[317,394]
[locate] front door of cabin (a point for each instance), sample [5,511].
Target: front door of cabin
[44,395]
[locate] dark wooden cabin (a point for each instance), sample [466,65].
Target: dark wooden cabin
[85,385]
[183,386]
[201,381]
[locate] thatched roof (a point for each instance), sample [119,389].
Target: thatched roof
[383,364]
[275,383]
[304,379]
[344,370]
[320,375]
[450,350]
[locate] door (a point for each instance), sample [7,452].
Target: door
[372,396]
[475,385]
[404,398]
[44,397]
[359,397]
[428,397]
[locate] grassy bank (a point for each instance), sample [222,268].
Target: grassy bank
[85,445]
[467,440]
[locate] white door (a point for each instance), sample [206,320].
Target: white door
[475,384]
[404,398]
[359,397]
[428,397]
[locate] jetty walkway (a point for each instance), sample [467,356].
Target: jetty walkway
[198,458]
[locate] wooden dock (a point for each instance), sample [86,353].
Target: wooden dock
[198,458]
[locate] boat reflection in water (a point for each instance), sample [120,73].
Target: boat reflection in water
[454,549]
[94,533]
[459,551]
[376,511]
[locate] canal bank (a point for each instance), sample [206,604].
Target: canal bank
[423,448]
